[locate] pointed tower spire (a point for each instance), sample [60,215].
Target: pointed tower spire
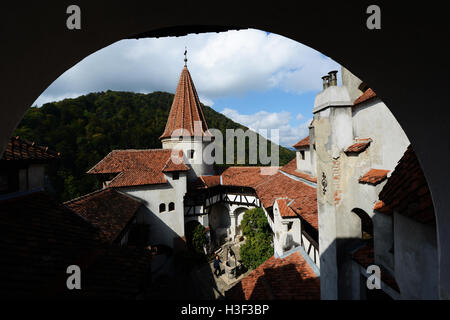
[186,113]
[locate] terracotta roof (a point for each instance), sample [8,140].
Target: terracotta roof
[281,186]
[243,176]
[367,95]
[138,167]
[407,192]
[374,176]
[302,143]
[359,146]
[108,209]
[285,210]
[19,149]
[186,110]
[42,238]
[291,168]
[290,278]
[210,181]
[365,257]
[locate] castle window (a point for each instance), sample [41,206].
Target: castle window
[162,207]
[289,226]
[302,155]
[191,154]
[171,206]
[176,176]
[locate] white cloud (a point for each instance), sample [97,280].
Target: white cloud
[221,64]
[299,116]
[264,120]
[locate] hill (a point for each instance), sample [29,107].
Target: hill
[87,128]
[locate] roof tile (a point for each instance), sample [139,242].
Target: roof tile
[138,167]
[108,209]
[374,176]
[302,143]
[366,96]
[19,149]
[290,278]
[291,168]
[186,110]
[407,192]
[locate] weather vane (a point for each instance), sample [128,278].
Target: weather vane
[185,57]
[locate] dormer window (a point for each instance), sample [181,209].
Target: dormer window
[302,154]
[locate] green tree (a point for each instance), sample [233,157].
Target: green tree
[258,244]
[87,128]
[199,239]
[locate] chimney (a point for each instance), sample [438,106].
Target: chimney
[326,82]
[333,78]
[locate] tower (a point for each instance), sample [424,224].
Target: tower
[186,128]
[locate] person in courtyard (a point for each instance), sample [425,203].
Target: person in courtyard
[217,270]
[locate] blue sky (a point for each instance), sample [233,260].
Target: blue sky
[259,79]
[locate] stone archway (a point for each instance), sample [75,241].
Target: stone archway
[220,223]
[35,56]
[238,216]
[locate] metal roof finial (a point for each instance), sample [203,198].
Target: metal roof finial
[185,56]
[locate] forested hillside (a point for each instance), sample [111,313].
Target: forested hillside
[87,128]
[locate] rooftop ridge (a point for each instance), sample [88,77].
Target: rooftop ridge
[87,195]
[186,109]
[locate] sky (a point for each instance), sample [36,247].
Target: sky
[261,80]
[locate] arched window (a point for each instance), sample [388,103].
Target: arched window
[171,206]
[191,154]
[162,207]
[366,224]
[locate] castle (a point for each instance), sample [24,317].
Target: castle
[178,195]
[340,204]
[354,197]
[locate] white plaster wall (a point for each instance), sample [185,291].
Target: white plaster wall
[199,167]
[281,234]
[374,120]
[383,240]
[416,259]
[341,129]
[352,83]
[304,165]
[167,225]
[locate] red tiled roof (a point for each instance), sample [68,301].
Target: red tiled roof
[186,110]
[367,95]
[18,149]
[108,209]
[290,278]
[42,238]
[281,186]
[302,143]
[137,167]
[291,168]
[365,257]
[359,146]
[137,178]
[210,181]
[374,176]
[406,191]
[285,210]
[243,176]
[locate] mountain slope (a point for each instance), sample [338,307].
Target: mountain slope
[87,128]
